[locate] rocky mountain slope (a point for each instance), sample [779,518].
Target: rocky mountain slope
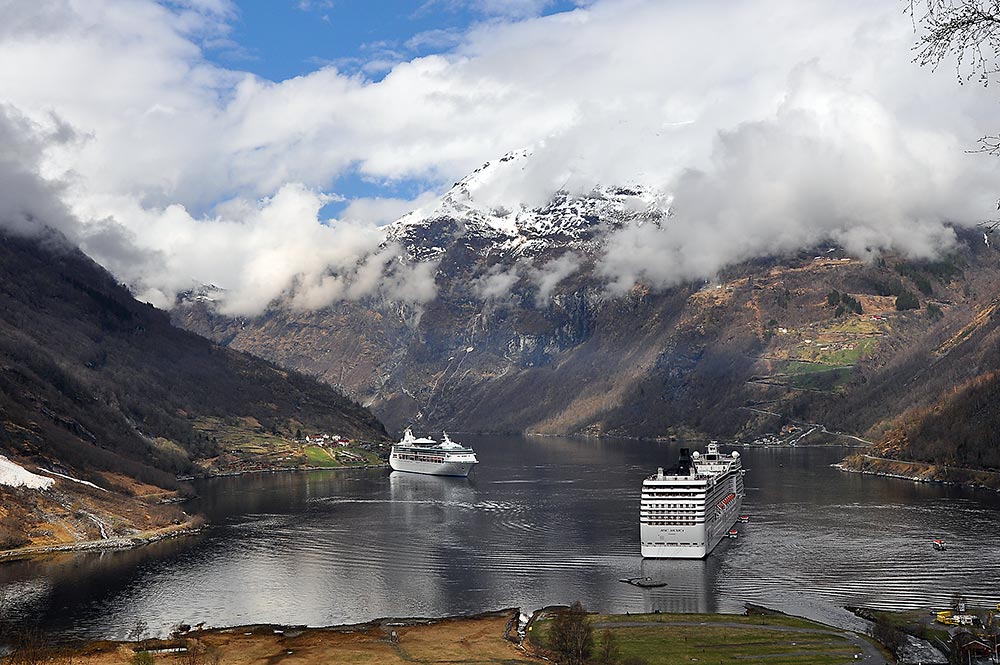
[523,335]
[103,395]
[472,210]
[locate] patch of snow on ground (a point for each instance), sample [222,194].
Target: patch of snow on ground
[15,476]
[75,480]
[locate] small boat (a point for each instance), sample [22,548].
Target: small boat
[733,533]
[939,545]
[644,582]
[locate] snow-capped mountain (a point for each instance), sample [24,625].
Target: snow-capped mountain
[483,209]
[523,335]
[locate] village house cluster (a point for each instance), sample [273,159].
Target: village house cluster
[327,440]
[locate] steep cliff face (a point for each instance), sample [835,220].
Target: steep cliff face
[523,335]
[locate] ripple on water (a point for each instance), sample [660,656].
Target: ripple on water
[528,531]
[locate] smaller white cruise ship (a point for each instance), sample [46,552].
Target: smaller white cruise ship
[685,511]
[419,455]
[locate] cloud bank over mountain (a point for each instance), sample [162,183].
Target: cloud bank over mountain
[773,125]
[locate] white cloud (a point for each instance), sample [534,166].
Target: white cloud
[25,197]
[274,247]
[437,38]
[497,282]
[381,211]
[382,272]
[830,165]
[775,123]
[548,276]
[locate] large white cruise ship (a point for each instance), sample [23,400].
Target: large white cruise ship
[428,456]
[685,511]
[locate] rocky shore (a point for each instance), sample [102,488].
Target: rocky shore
[247,472]
[920,472]
[121,543]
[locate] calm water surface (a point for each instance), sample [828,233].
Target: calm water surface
[541,521]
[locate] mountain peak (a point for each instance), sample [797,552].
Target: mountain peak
[489,207]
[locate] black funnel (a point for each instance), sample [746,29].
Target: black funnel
[684,462]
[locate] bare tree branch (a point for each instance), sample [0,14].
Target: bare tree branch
[967,29]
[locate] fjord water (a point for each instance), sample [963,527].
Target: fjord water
[541,521]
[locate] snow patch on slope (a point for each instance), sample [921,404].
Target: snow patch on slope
[71,478]
[485,204]
[13,475]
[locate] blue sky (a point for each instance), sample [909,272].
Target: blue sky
[280,39]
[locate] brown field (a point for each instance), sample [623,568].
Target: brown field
[477,640]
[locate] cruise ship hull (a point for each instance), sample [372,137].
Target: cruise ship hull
[460,469]
[708,534]
[686,511]
[427,457]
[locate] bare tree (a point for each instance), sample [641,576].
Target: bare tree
[137,633]
[29,647]
[194,654]
[967,29]
[887,635]
[607,649]
[572,636]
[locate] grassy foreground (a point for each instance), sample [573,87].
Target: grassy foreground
[646,638]
[655,639]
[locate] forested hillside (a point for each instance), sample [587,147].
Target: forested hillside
[100,387]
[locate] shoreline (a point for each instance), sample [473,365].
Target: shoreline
[140,539]
[248,472]
[493,636]
[693,439]
[920,472]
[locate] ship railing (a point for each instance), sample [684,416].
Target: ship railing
[696,476]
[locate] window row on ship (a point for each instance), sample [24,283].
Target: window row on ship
[672,495]
[419,458]
[660,503]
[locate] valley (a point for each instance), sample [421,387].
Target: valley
[315,313]
[524,335]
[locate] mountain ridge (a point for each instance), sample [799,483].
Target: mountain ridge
[524,335]
[101,388]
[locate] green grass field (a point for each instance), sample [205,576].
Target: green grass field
[664,639]
[319,457]
[748,620]
[813,376]
[243,438]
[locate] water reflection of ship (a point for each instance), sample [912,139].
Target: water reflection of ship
[418,488]
[689,584]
